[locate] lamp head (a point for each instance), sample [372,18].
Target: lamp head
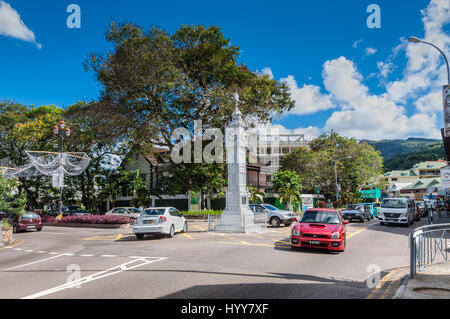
[414,40]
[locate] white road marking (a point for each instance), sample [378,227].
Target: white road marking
[87,255]
[108,256]
[32,263]
[17,248]
[29,251]
[99,275]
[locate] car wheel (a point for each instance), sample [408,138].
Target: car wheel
[288,224]
[275,222]
[140,236]
[362,219]
[39,229]
[185,228]
[382,223]
[172,232]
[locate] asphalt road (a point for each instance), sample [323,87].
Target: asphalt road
[93,263]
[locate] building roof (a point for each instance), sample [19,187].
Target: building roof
[399,186]
[424,183]
[406,173]
[431,165]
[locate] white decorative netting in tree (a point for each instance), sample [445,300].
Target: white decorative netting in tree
[56,165]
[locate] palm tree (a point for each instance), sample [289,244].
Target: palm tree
[255,195]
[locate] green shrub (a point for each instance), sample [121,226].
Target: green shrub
[203,212]
[5,223]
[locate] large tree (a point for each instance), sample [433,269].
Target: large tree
[316,166]
[155,82]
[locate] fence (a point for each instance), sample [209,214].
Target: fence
[259,219]
[428,245]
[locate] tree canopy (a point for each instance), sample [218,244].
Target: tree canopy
[155,82]
[316,166]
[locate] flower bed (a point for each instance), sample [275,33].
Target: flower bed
[90,219]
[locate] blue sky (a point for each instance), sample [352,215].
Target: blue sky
[361,82]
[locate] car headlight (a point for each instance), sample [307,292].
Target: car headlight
[405,215]
[296,233]
[335,235]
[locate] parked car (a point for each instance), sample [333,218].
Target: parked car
[421,207]
[377,208]
[275,216]
[397,211]
[356,212]
[125,211]
[161,220]
[27,221]
[371,208]
[75,211]
[320,228]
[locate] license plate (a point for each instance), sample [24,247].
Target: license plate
[148,221]
[314,242]
[31,226]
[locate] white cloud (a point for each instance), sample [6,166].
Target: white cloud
[267,71]
[362,114]
[11,25]
[356,43]
[371,51]
[385,68]
[424,68]
[308,98]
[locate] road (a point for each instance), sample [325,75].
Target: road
[94,264]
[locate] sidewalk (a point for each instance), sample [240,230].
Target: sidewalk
[431,283]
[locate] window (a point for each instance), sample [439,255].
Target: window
[153,212]
[321,217]
[394,179]
[174,212]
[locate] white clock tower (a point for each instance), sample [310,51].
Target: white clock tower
[237,216]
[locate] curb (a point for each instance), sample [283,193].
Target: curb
[98,226]
[401,290]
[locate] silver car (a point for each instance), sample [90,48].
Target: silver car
[124,212]
[275,217]
[160,220]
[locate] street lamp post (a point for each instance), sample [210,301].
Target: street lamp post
[61,132]
[417,40]
[335,175]
[446,94]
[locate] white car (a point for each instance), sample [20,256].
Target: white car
[397,211]
[159,220]
[125,212]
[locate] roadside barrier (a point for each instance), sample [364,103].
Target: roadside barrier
[428,245]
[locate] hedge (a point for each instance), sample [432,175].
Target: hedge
[89,219]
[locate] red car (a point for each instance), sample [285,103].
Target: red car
[28,221]
[320,228]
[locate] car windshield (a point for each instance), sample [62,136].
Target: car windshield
[270,207]
[353,207]
[394,203]
[153,212]
[321,217]
[135,210]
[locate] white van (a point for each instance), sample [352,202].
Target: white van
[397,211]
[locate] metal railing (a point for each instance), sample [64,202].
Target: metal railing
[260,219]
[428,245]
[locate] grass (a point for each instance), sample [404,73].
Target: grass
[203,212]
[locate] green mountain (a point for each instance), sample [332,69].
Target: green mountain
[403,154]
